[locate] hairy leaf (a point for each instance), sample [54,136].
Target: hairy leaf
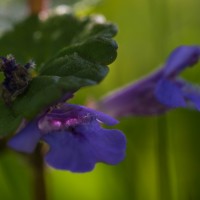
[9,121]
[69,52]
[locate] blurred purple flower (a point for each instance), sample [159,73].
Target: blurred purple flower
[75,138]
[158,92]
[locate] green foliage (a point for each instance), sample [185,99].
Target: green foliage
[69,52]
[8,120]
[40,40]
[12,169]
[44,91]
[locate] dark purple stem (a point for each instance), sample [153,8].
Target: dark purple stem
[2,144]
[39,174]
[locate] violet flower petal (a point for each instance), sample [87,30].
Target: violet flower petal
[191,94]
[195,99]
[157,93]
[109,144]
[81,148]
[68,152]
[181,58]
[27,139]
[135,99]
[169,94]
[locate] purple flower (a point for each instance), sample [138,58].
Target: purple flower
[75,138]
[160,91]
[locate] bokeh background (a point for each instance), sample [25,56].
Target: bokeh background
[163,153]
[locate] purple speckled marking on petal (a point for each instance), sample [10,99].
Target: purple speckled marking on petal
[81,113]
[102,117]
[56,123]
[71,122]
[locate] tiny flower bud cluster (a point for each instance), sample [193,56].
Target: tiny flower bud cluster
[17,77]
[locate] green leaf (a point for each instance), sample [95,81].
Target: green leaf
[69,52]
[45,91]
[88,57]
[9,122]
[74,64]
[40,40]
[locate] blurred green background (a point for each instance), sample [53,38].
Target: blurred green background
[163,153]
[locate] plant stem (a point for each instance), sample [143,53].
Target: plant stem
[37,6]
[164,186]
[2,144]
[39,175]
